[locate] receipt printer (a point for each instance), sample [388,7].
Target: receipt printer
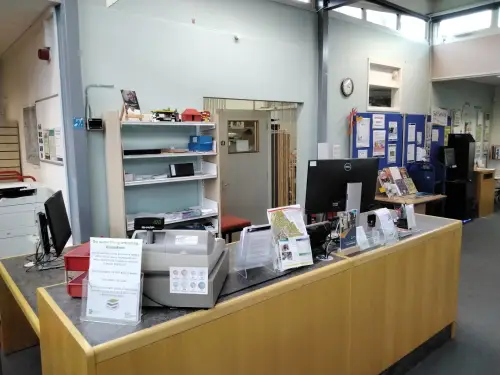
[182,268]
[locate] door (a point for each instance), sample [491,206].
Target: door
[245,163]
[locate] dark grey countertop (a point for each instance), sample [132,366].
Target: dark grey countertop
[29,282]
[235,286]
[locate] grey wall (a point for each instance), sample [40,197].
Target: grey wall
[153,47]
[453,95]
[460,59]
[351,44]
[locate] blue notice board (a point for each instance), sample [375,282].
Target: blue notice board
[418,122]
[397,141]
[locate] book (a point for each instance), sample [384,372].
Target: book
[412,189]
[399,181]
[387,183]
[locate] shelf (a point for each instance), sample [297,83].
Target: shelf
[209,125]
[170,155]
[169,222]
[171,180]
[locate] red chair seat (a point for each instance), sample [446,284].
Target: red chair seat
[233,223]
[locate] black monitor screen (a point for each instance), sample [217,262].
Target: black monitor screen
[327,183]
[449,157]
[58,221]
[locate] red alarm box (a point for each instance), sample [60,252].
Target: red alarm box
[76,264]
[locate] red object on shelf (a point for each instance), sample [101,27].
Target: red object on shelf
[77,260]
[74,287]
[191,115]
[13,175]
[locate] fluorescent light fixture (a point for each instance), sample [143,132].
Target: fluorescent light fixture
[304,1]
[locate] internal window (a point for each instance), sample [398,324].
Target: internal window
[386,19]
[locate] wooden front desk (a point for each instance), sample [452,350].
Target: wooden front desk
[484,180]
[353,315]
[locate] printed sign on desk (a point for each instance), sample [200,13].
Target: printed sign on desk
[114,281]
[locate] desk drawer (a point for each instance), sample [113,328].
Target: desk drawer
[17,220]
[19,232]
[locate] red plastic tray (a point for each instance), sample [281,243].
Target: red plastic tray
[74,287]
[78,259]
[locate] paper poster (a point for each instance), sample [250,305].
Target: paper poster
[457,117]
[336,152]
[362,154]
[393,131]
[379,143]
[419,138]
[435,135]
[363,133]
[378,121]
[411,132]
[114,286]
[447,131]
[59,144]
[439,116]
[479,132]
[410,153]
[391,154]
[420,154]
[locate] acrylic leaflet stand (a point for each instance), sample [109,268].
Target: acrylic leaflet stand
[255,249]
[110,305]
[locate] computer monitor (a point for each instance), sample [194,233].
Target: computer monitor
[57,219]
[449,157]
[328,182]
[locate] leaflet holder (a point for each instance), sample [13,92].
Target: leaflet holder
[255,250]
[110,304]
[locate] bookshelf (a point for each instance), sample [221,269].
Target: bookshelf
[139,184]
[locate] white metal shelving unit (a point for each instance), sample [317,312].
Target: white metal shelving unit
[161,195]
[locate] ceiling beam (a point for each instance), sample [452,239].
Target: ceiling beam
[334,4]
[400,9]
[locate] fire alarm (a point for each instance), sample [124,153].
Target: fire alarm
[44,54]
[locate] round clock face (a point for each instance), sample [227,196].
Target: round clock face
[347,87]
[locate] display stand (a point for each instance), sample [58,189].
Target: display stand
[84,316]
[255,249]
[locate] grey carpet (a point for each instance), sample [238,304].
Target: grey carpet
[476,350]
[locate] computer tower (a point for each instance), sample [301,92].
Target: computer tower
[460,202]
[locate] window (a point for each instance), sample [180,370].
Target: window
[243,136]
[465,24]
[413,28]
[350,11]
[389,20]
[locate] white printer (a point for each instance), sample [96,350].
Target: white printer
[20,203]
[200,262]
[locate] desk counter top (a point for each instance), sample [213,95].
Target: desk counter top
[234,286]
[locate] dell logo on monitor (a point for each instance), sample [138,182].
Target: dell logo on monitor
[347,167]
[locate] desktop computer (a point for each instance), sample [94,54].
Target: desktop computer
[341,185]
[56,220]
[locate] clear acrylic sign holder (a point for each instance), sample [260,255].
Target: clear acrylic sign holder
[255,250]
[110,306]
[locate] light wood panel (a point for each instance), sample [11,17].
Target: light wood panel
[8,131]
[402,299]
[17,333]
[9,147]
[9,155]
[485,192]
[10,164]
[303,331]
[9,139]
[64,350]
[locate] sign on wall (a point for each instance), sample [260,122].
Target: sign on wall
[439,116]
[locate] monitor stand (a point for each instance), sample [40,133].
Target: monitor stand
[353,194]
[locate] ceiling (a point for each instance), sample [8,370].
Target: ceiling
[489,80]
[16,16]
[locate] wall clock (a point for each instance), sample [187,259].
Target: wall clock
[347,87]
